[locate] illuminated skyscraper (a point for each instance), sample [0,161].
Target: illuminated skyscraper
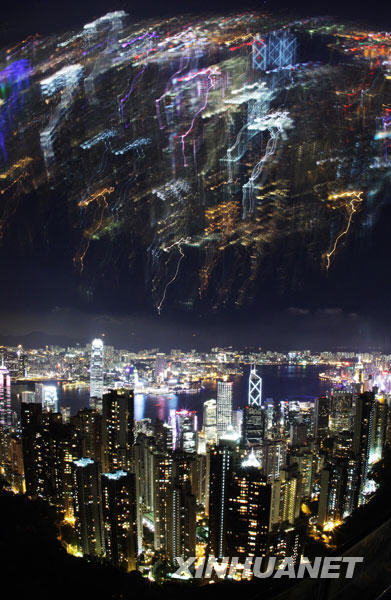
[162,474]
[49,447]
[3,354]
[221,464]
[224,406]
[248,511]
[31,415]
[237,421]
[253,424]
[359,375]
[22,362]
[174,506]
[305,461]
[88,424]
[118,429]
[378,429]
[96,374]
[254,388]
[186,430]
[269,410]
[322,413]
[143,463]
[253,414]
[273,454]
[352,487]
[341,487]
[87,502]
[119,518]
[364,420]
[5,396]
[341,417]
[160,366]
[47,396]
[209,421]
[182,509]
[285,499]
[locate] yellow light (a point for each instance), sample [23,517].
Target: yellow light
[351,207]
[331,525]
[73,550]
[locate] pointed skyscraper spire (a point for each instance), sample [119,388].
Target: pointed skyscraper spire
[254,388]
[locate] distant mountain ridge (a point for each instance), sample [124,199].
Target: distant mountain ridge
[39,339]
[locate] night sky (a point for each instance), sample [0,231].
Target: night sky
[45,16]
[349,308]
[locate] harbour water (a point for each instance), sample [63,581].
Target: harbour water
[285,382]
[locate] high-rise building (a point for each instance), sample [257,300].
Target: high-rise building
[221,465]
[322,413]
[174,506]
[118,429]
[304,459]
[363,430]
[209,421]
[5,396]
[273,457]
[253,424]
[200,479]
[143,464]
[29,396]
[186,430]
[269,418]
[22,362]
[341,416]
[298,434]
[47,396]
[285,498]
[165,433]
[352,490]
[120,519]
[31,415]
[49,447]
[3,354]
[181,525]
[224,406]
[66,414]
[359,375]
[163,467]
[96,374]
[249,499]
[332,488]
[378,427]
[339,490]
[160,366]
[88,424]
[237,421]
[14,469]
[87,503]
[254,388]
[248,511]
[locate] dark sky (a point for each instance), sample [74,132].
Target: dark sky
[355,315]
[48,16]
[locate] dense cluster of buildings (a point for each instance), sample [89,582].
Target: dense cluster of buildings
[223,482]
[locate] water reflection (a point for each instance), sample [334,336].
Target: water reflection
[281,382]
[152,407]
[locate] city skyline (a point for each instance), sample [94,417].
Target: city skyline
[263,480]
